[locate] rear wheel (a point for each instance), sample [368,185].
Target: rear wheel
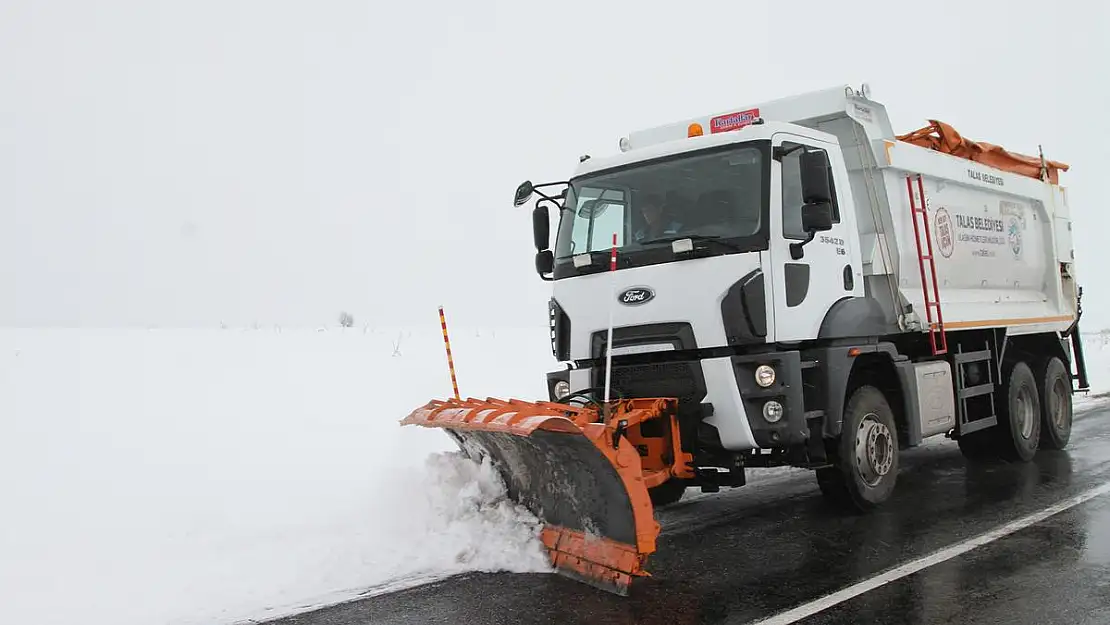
[978,446]
[1056,407]
[1017,434]
[866,456]
[1019,416]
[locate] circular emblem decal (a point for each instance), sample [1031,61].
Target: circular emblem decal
[1013,235]
[636,296]
[943,227]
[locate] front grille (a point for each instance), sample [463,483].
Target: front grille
[678,335]
[681,379]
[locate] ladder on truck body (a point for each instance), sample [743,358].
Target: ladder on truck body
[984,388]
[936,328]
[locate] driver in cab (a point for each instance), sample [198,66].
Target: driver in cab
[656,222]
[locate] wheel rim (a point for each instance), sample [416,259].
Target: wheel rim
[1024,412]
[1058,405]
[874,449]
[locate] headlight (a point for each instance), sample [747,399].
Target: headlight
[772,411]
[562,389]
[765,375]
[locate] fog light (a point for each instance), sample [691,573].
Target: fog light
[562,389]
[772,411]
[765,375]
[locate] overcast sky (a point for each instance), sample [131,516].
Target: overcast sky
[192,163]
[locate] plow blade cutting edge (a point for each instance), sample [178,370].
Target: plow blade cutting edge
[581,476]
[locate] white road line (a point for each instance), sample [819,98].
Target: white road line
[840,596]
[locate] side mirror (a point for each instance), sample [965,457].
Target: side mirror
[814,170]
[541,228]
[545,263]
[817,217]
[523,193]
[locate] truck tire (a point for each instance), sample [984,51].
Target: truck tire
[1056,407]
[1018,432]
[865,461]
[667,493]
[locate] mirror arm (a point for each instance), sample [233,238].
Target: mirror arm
[780,152]
[796,252]
[521,198]
[554,203]
[550,184]
[561,195]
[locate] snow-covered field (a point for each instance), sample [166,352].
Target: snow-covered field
[213,476]
[1096,351]
[209,476]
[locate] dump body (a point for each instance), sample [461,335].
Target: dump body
[1002,240]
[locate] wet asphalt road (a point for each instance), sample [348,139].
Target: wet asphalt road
[747,554]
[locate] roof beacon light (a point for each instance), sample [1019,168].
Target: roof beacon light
[694,130]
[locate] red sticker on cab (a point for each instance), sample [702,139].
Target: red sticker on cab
[732,121]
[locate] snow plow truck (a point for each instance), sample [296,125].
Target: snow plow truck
[788,283]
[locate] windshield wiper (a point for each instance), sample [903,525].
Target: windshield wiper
[716,238]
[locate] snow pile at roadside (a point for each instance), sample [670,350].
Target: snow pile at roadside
[469,519]
[195,476]
[1096,353]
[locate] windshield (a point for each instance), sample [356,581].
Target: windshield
[720,194]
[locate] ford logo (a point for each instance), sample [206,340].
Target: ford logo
[635,296]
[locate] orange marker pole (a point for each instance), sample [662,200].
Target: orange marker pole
[447,344]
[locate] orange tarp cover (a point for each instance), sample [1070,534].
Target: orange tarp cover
[941,137]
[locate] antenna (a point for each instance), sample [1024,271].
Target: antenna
[612,304]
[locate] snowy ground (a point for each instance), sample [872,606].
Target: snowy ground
[1096,351]
[215,476]
[177,476]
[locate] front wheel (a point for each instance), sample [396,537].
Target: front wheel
[668,492]
[866,456]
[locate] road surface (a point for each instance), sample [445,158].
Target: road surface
[753,554]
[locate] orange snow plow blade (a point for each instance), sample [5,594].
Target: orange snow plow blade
[582,477]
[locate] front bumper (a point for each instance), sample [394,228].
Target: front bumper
[787,390]
[715,386]
[723,389]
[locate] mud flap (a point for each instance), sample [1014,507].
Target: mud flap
[582,478]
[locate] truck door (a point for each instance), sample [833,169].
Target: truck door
[806,284]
